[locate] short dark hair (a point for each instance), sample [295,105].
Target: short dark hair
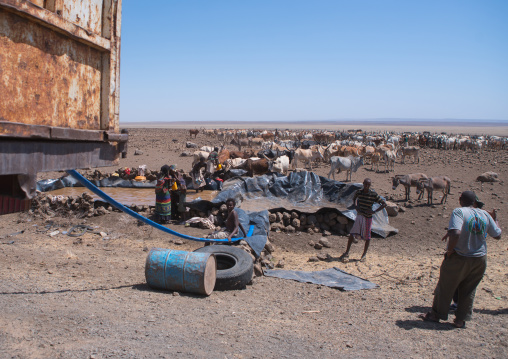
[231,200]
[468,197]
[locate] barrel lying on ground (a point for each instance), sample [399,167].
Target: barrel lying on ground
[181,271]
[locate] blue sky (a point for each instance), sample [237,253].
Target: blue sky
[297,60]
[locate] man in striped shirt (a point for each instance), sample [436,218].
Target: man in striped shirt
[363,200]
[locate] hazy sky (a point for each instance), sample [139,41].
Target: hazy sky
[300,60]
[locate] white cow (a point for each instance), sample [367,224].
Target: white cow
[196,155]
[349,164]
[281,165]
[306,156]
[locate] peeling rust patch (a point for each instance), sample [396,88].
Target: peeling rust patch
[62,71]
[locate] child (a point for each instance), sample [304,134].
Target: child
[232,224]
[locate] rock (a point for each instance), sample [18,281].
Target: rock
[311,243]
[324,226]
[294,215]
[332,222]
[333,215]
[342,220]
[178,242]
[392,209]
[276,227]
[324,242]
[295,222]
[189,144]
[327,233]
[290,229]
[311,219]
[258,270]
[138,152]
[176,294]
[272,217]
[319,218]
[318,245]
[54,233]
[313,259]
[278,217]
[402,210]
[145,249]
[303,219]
[185,154]
[488,177]
[280,264]
[269,246]
[323,256]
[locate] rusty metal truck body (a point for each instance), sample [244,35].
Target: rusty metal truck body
[59,89]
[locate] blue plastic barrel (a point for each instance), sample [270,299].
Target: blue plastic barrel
[181,271]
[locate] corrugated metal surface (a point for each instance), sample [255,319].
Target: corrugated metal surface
[11,205]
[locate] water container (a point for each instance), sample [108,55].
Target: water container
[181,271]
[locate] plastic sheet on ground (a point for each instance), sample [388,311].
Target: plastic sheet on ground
[301,191]
[332,277]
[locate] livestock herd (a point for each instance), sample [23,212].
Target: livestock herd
[260,152]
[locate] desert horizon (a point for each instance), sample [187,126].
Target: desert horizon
[468,127]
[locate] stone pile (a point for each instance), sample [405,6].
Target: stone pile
[330,222]
[47,205]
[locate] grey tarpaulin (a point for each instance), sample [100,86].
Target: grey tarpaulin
[261,227]
[69,181]
[332,277]
[302,191]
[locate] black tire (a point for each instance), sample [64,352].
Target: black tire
[234,266]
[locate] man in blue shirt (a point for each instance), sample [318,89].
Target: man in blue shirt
[465,260]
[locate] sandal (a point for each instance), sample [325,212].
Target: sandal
[429,317]
[344,258]
[460,324]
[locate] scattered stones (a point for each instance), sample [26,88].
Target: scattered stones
[324,243]
[138,152]
[392,209]
[318,245]
[313,259]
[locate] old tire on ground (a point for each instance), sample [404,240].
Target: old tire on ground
[234,266]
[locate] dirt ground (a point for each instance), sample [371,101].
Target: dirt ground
[86,297]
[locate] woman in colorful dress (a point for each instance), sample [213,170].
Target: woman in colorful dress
[163,196]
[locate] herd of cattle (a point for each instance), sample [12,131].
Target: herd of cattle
[260,152]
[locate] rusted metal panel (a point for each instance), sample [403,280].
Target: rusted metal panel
[56,22]
[39,3]
[8,129]
[61,133]
[116,137]
[59,85]
[85,13]
[47,79]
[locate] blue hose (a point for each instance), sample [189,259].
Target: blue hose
[130,212]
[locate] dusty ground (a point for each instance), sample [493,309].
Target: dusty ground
[87,298]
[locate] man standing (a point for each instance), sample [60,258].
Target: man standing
[363,200]
[465,260]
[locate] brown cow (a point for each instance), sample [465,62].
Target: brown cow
[194,132]
[257,167]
